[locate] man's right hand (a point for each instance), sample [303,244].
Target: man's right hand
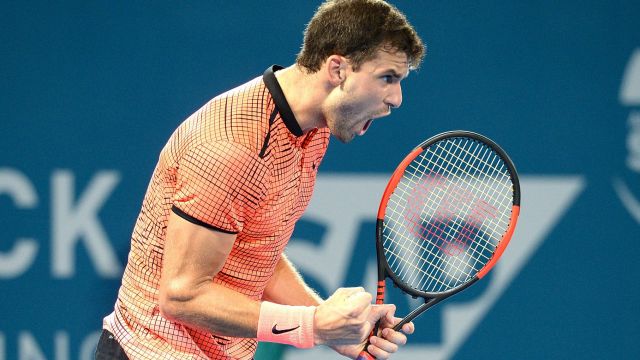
[346,317]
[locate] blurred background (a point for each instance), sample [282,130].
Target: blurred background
[91,91]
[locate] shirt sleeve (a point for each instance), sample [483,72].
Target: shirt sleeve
[219,185]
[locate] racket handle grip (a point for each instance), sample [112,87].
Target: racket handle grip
[364,355]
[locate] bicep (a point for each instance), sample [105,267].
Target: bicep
[193,255]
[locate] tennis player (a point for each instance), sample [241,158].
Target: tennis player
[206,276]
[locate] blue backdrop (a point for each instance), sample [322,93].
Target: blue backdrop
[92,90]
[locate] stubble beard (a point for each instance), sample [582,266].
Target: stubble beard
[342,124]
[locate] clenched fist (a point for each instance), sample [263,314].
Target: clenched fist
[347,317]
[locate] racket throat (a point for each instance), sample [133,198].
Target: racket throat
[417,311]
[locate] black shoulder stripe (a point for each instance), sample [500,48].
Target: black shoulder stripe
[193,220]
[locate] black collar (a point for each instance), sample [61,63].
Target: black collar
[282,105]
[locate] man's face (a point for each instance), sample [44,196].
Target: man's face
[366,94]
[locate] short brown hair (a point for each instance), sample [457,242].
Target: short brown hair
[356,29]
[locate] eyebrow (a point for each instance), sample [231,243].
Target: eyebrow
[396,74]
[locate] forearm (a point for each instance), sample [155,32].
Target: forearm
[213,308]
[287,287]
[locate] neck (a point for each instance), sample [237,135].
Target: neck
[305,93]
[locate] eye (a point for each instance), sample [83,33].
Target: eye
[389,79]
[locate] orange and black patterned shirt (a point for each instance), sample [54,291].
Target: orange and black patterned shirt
[240,164]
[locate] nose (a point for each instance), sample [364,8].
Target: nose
[394,98]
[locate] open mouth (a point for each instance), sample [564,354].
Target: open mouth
[365,127]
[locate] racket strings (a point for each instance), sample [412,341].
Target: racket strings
[438,200]
[464,164]
[501,174]
[467,167]
[420,175]
[416,254]
[465,161]
[447,214]
[483,191]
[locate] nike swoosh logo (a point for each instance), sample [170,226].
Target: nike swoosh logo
[278,332]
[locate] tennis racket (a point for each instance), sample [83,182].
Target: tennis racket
[445,218]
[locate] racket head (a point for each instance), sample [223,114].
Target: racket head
[447,215]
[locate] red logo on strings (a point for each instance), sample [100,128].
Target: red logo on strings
[455,223]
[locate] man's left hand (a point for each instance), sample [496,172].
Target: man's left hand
[385,343]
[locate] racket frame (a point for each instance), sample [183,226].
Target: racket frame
[384,270]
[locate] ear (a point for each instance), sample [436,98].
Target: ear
[336,69]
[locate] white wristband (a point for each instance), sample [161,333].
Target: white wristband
[286,324]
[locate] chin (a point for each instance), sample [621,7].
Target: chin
[344,138]
[342,134]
